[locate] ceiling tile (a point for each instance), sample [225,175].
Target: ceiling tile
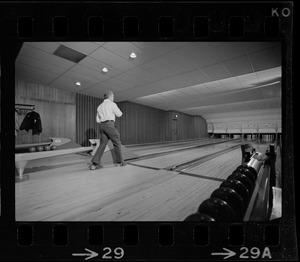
[99,43]
[85,80]
[198,54]
[127,78]
[194,77]
[142,74]
[43,56]
[48,47]
[114,84]
[187,76]
[82,47]
[266,59]
[157,49]
[70,78]
[98,65]
[215,72]
[227,51]
[38,64]
[252,47]
[112,59]
[34,78]
[123,49]
[238,66]
[88,72]
[35,73]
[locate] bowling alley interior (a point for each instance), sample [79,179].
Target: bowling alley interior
[201,131]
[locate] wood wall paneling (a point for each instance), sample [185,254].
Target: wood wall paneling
[143,124]
[67,114]
[56,107]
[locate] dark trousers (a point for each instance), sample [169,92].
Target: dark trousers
[108,131]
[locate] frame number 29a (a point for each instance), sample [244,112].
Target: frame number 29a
[254,253]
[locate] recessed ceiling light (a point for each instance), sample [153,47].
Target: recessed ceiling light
[78,83]
[104,70]
[132,55]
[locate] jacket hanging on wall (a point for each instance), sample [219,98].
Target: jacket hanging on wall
[32,120]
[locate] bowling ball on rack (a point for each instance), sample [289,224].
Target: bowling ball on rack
[53,147]
[247,173]
[244,180]
[250,168]
[232,198]
[31,149]
[46,148]
[239,188]
[218,209]
[198,217]
[39,148]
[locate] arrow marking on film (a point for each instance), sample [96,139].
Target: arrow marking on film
[89,255]
[228,254]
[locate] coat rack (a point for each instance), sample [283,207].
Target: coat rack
[23,109]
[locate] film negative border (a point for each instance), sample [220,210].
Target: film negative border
[137,241]
[149,21]
[174,21]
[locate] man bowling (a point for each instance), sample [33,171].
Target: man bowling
[107,112]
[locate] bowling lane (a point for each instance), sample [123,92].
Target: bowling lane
[143,150]
[164,161]
[170,200]
[222,166]
[219,167]
[133,194]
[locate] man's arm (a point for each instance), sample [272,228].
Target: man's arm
[117,111]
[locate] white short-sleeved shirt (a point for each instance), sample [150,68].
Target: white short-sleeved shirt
[108,110]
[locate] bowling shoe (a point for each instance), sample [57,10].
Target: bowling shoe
[94,167]
[121,164]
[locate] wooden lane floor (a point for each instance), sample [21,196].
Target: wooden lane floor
[219,167]
[222,166]
[168,160]
[73,193]
[143,150]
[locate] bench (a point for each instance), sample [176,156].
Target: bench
[22,159]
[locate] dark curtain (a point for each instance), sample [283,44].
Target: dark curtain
[86,125]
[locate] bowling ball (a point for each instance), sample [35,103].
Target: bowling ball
[232,198]
[31,149]
[53,147]
[250,168]
[239,188]
[199,218]
[39,148]
[247,173]
[46,148]
[243,179]
[218,209]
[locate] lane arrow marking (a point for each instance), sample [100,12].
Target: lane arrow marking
[89,255]
[228,254]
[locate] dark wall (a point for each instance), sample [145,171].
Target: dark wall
[143,124]
[86,125]
[188,126]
